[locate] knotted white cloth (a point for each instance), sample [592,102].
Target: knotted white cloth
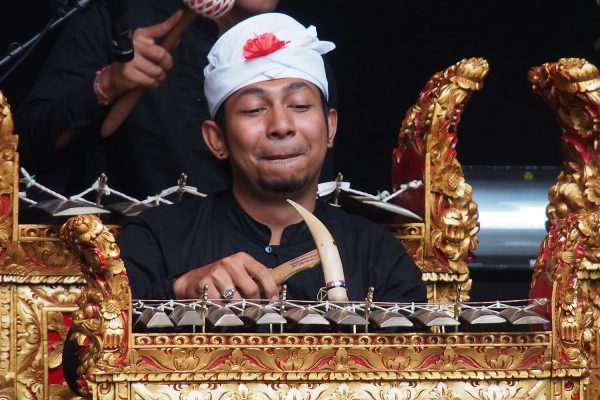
[264,47]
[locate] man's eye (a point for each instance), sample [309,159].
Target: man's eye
[252,111]
[300,107]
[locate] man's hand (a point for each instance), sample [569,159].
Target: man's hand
[251,279]
[149,66]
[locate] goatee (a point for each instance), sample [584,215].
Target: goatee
[283,186]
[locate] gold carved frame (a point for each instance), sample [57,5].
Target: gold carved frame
[571,87]
[442,244]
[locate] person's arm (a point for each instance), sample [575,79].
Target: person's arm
[80,81]
[63,99]
[240,271]
[152,274]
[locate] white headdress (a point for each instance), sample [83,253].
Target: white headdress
[264,47]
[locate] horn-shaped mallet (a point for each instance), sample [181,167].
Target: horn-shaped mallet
[329,254]
[124,104]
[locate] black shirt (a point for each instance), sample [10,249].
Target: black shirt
[169,240]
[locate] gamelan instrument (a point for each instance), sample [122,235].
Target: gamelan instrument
[203,348]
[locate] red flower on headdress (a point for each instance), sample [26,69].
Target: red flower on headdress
[262,45]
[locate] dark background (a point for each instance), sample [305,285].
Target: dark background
[387,50]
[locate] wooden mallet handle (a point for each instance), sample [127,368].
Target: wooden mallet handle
[283,272]
[124,104]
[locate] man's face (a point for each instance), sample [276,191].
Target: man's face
[276,135]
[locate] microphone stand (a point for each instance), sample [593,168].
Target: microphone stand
[79,5]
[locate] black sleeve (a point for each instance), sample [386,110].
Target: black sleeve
[395,275]
[62,98]
[144,261]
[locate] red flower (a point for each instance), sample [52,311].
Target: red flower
[262,45]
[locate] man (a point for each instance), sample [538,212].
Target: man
[59,121]
[266,89]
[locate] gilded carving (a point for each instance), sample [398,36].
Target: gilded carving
[103,320]
[40,333]
[571,87]
[452,390]
[30,371]
[9,161]
[546,363]
[558,259]
[7,352]
[339,357]
[428,134]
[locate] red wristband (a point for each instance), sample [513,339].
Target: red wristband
[102,98]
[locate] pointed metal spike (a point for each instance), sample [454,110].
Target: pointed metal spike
[389,319]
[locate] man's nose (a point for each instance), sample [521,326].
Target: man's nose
[281,124]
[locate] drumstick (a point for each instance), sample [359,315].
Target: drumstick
[124,104]
[283,272]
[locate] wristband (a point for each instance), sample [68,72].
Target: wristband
[102,98]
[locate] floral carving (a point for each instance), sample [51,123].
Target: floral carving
[426,143]
[8,171]
[442,392]
[103,321]
[559,257]
[571,87]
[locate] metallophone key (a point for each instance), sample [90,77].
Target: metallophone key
[475,316]
[522,316]
[341,316]
[389,319]
[184,315]
[262,315]
[220,316]
[152,318]
[431,318]
[305,316]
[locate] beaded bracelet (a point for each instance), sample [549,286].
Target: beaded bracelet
[102,98]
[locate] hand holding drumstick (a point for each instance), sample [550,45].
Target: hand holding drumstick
[127,82]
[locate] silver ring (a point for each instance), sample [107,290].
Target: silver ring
[227,294]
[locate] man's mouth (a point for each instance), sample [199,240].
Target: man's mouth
[282,156]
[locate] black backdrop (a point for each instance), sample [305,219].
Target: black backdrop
[386,51]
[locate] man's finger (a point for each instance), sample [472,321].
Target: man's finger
[159,30]
[262,275]
[247,287]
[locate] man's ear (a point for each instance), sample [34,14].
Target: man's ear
[332,121]
[215,140]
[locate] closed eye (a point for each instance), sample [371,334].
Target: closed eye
[300,107]
[252,111]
